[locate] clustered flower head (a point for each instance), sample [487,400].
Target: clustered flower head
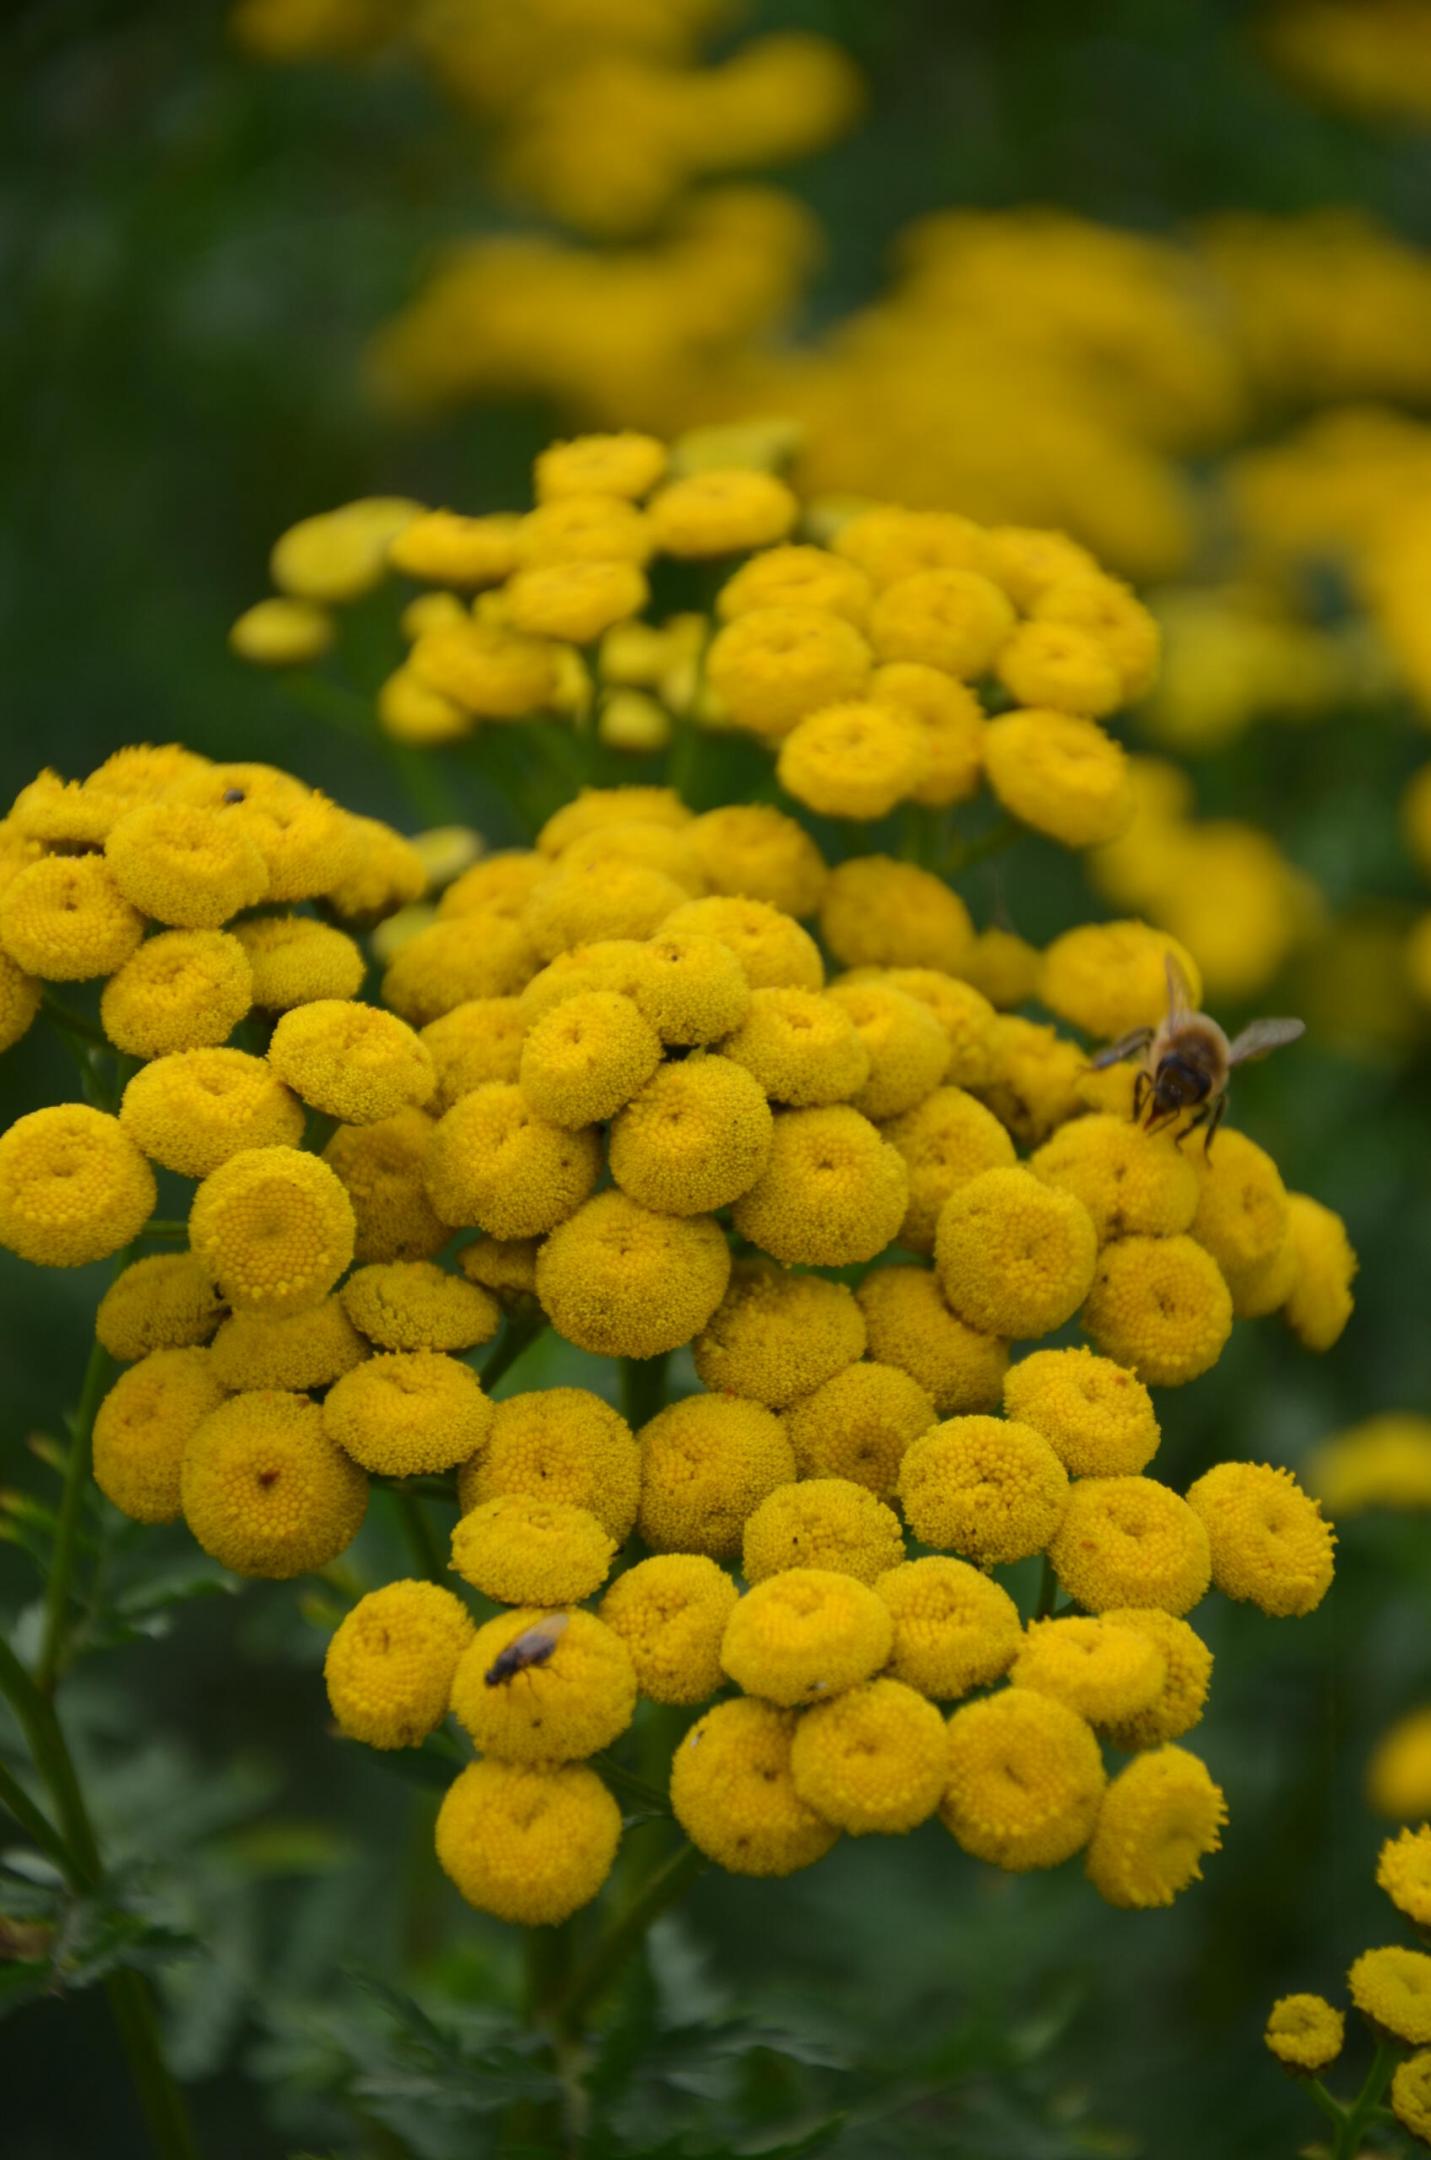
[666,1081]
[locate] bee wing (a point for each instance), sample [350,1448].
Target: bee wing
[1180,997]
[1126,1047]
[1263,1035]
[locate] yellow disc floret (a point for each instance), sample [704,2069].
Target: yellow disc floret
[1392,1988]
[858,1425]
[380,1168]
[696,1137]
[911,1326]
[182,990]
[771,947]
[1160,1306]
[1187,1669]
[185,864]
[706,1464]
[1104,1672]
[948,1139]
[1025,1780]
[822,1522]
[73,1186]
[874,1759]
[351,1061]
[408,1413]
[559,1444]
[988,1488]
[775,1335]
[802,1047]
[1305,2032]
[523,1550]
[1160,1816]
[389,1666]
[494,1162]
[163,1302]
[733,1794]
[529,1846]
[955,1628]
[192,1110]
[291,1350]
[1133,1183]
[1130,1541]
[275,1229]
[1062,775]
[832,1192]
[1403,1871]
[1270,1545]
[578,1698]
[265,1491]
[807,1633]
[756,851]
[624,1282]
[671,1613]
[64,919]
[1098,1419]
[143,1426]
[415,1305]
[587,1057]
[1013,1256]
[1320,1303]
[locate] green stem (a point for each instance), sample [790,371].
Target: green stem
[1047,1591]
[629,1785]
[35,1823]
[1359,2114]
[164,1226]
[660,1890]
[75,1024]
[131,2004]
[963,855]
[643,1388]
[421,1538]
[62,1564]
[1332,2109]
[520,1333]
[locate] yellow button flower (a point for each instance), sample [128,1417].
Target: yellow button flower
[853,759]
[143,1426]
[164,1302]
[1392,1988]
[1061,775]
[772,665]
[385,872]
[1130,1541]
[448,549]
[885,914]
[415,1305]
[1038,1078]
[1305,2032]
[351,1061]
[558,1444]
[264,1490]
[505,1266]
[1109,978]
[340,554]
[1132,1183]
[578,1699]
[1061,666]
[65,919]
[823,1522]
[955,1628]
[308,845]
[858,1425]
[890,542]
[671,1613]
[833,1191]
[622,464]
[801,1046]
[182,990]
[523,1550]
[380,1168]
[624,1282]
[1320,1303]
[988,1488]
[186,865]
[529,1846]
[592,808]
[1159,1817]
[735,1798]
[591,901]
[1025,1780]
[707,1463]
[1411,2095]
[1403,1871]
[477,1042]
[952,619]
[692,988]
[192,1110]
[1098,1419]
[771,947]
[874,1759]
[951,720]
[279,632]
[493,1162]
[910,1326]
[489,672]
[905,1045]
[806,1633]
[1269,1543]
[1004,966]
[73,1186]
[1126,630]
[578,601]
[806,577]
[592,527]
[295,1350]
[410,711]
[1105,1672]
[406,1413]
[274,1228]
[754,851]
[616,964]
[296,960]
[1187,1663]
[965,1015]
[696,1137]
[1242,1211]
[721,512]
[1014,1257]
[20,996]
[775,1336]
[389,1665]
[1159,1306]
[946,1140]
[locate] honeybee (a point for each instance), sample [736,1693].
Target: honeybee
[1188,1061]
[532,1647]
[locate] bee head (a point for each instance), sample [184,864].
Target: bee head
[1177,1084]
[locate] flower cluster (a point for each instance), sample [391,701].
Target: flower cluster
[1391,1987]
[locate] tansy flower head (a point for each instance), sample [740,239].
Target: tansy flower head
[390,1664]
[1130,1541]
[1305,2032]
[1159,1305]
[476,1042]
[591,901]
[415,1305]
[910,1326]
[293,1350]
[693,989]
[20,996]
[192,1110]
[507,1267]
[721,512]
[771,947]
[587,1057]
[772,665]
[1098,1419]
[73,1186]
[671,1613]
[1133,1183]
[1320,1303]
[340,554]
[855,759]
[385,872]
[406,1413]
[279,632]
[734,1796]
[1242,1209]
[1026,561]
[449,962]
[832,1192]
[595,527]
[163,1302]
[890,542]
[380,1168]
[1127,631]
[756,852]
[806,1633]
[487,671]
[559,1444]
[655,847]
[453,550]
[182,990]
[499,884]
[904,1042]
[494,1162]
[707,1463]
[1392,1988]
[988,1488]
[951,721]
[578,1699]
[1014,1257]
[65,919]
[144,1425]
[1037,1078]
[185,864]
[578,601]
[695,1137]
[529,1846]
[1062,776]
[1025,1780]
[775,1336]
[823,1522]
[625,464]
[622,1281]
[955,1628]
[264,1490]
[1403,1871]
[524,1550]
[965,1015]
[946,1140]
[1411,2095]
[351,1061]
[1269,1543]
[802,1046]
[1187,1669]
[796,577]
[1110,978]
[858,1425]
[1061,666]
[1104,1672]
[592,808]
[952,619]
[619,964]
[874,1759]
[1160,1816]
[274,1227]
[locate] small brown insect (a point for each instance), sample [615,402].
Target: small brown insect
[1188,1061]
[532,1647]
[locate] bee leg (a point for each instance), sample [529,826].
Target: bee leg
[1140,1089]
[1219,1111]
[1198,1118]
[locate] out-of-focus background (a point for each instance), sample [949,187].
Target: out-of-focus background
[1155,274]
